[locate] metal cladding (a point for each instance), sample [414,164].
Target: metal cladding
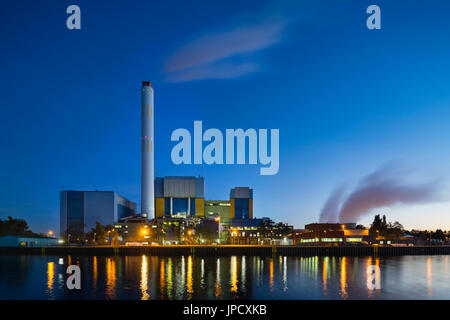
[147,160]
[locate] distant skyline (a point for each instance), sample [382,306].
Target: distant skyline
[347,100]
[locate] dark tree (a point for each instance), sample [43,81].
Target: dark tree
[15,227]
[100,233]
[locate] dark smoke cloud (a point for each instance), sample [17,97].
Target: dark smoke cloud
[330,209]
[388,186]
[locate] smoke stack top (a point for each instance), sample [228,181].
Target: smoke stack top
[146,84]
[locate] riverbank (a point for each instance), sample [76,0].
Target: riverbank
[229,250]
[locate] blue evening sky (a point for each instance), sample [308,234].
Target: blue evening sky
[347,100]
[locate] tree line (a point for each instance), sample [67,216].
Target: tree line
[16,227]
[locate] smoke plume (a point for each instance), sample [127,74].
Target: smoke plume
[330,209]
[386,187]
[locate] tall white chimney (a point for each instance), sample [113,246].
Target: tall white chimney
[147,159]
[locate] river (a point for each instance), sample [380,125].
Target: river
[236,277]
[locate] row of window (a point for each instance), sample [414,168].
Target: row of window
[330,240]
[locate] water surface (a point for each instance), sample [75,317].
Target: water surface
[235,277]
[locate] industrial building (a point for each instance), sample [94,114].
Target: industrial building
[172,207]
[80,210]
[133,229]
[218,208]
[179,197]
[331,234]
[241,199]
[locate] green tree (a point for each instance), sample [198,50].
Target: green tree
[100,233]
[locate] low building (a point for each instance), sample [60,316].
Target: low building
[22,241]
[134,229]
[174,230]
[259,232]
[403,240]
[331,234]
[296,235]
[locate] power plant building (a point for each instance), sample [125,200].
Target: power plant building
[241,199]
[221,208]
[80,210]
[180,197]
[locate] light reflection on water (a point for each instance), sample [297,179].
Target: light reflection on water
[50,278]
[235,277]
[111,278]
[144,278]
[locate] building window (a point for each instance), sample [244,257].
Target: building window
[242,208]
[331,239]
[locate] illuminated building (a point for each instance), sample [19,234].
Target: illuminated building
[134,229]
[174,230]
[259,231]
[331,234]
[179,197]
[220,208]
